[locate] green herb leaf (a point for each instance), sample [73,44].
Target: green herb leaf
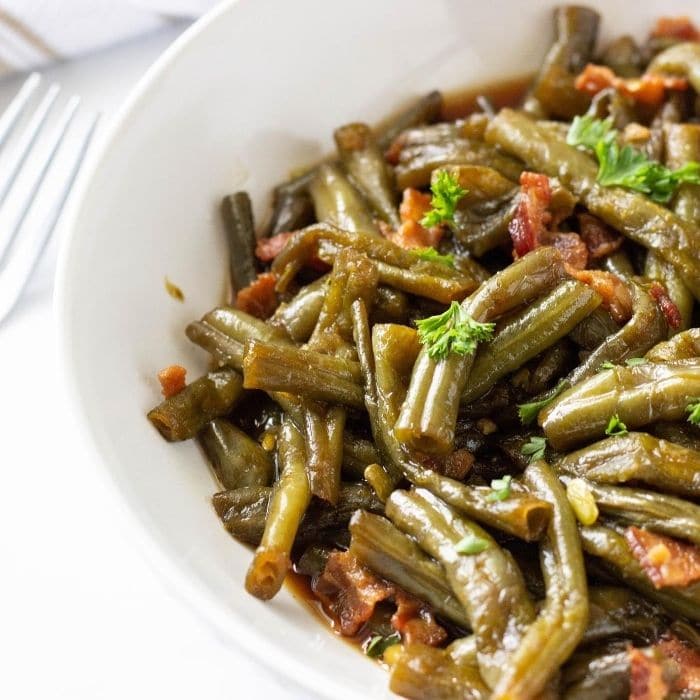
[500,489]
[636,361]
[534,448]
[471,544]
[452,331]
[607,365]
[431,255]
[446,194]
[627,166]
[529,411]
[377,644]
[693,409]
[616,427]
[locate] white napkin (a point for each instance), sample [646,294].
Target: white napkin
[36,32]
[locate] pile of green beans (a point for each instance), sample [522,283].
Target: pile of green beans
[491,491]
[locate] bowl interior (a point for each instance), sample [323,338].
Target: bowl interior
[252,91]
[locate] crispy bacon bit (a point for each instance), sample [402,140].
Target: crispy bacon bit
[646,677]
[687,661]
[648,89]
[172,380]
[456,465]
[617,298]
[680,28]
[666,304]
[267,249]
[259,298]
[415,622]
[599,238]
[679,566]
[532,215]
[573,250]
[414,205]
[411,234]
[393,153]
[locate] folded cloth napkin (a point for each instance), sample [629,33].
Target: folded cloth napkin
[36,32]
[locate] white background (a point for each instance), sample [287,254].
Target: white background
[82,614]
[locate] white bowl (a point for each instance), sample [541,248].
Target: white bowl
[249,92]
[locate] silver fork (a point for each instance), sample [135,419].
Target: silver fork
[23,238]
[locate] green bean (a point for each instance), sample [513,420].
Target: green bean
[633,214]
[685,434]
[612,548]
[429,413]
[392,306]
[358,454]
[576,31]
[425,110]
[561,622]
[289,500]
[182,416]
[602,677]
[291,210]
[338,202]
[223,349]
[637,457]
[471,127]
[237,459]
[682,59]
[654,511]
[298,316]
[305,373]
[684,346]
[416,163]
[623,56]
[619,264]
[366,166]
[237,213]
[521,514]
[383,548]
[313,561]
[638,395]
[427,673]
[682,142]
[243,512]
[551,365]
[323,431]
[593,330]
[488,584]
[482,184]
[528,333]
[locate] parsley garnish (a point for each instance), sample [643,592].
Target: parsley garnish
[377,644]
[452,331]
[431,255]
[534,449]
[693,409]
[500,489]
[529,411]
[627,166]
[446,193]
[607,365]
[616,427]
[471,544]
[636,361]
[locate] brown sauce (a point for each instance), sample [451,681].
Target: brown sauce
[504,93]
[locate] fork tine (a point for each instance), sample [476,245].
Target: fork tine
[29,135]
[18,270]
[7,235]
[13,111]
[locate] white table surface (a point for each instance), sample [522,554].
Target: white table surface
[82,614]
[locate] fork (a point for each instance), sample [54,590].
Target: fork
[29,217]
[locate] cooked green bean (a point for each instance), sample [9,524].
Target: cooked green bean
[528,333]
[323,431]
[682,59]
[338,202]
[394,556]
[237,459]
[657,269]
[298,316]
[638,395]
[237,214]
[635,215]
[601,677]
[487,583]
[623,56]
[561,621]
[682,142]
[685,434]
[358,454]
[292,209]
[481,232]
[289,500]
[637,457]
[683,346]
[366,166]
[612,548]
[182,416]
[429,413]
[619,264]
[426,110]
[593,330]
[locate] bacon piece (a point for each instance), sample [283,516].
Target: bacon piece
[267,249]
[259,298]
[666,304]
[411,234]
[456,465]
[414,205]
[687,661]
[680,28]
[392,154]
[649,89]
[616,295]
[532,215]
[573,250]
[172,380]
[415,622]
[666,561]
[599,238]
[646,677]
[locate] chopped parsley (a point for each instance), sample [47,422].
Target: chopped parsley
[432,255]
[636,361]
[534,448]
[607,365]
[529,411]
[693,409]
[616,427]
[446,194]
[452,331]
[378,644]
[500,489]
[471,544]
[627,166]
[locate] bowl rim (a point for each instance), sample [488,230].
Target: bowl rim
[223,621]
